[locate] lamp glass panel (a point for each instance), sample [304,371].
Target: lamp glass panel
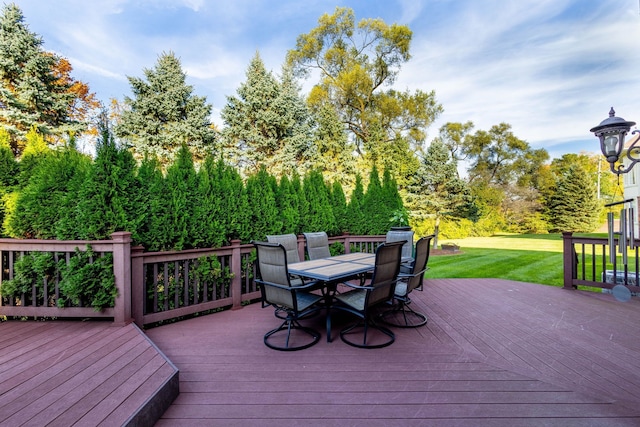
[610,145]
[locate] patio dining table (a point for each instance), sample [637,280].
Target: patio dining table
[333,270]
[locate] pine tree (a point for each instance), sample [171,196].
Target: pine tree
[335,154]
[435,190]
[164,114]
[31,94]
[267,124]
[574,205]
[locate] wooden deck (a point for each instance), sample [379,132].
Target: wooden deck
[59,373]
[494,353]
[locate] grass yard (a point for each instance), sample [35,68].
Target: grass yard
[534,258]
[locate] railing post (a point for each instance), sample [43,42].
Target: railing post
[347,243]
[301,245]
[236,271]
[569,260]
[122,273]
[137,285]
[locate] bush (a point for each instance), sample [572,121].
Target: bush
[87,280]
[29,270]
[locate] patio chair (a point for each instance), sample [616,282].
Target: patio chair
[402,315]
[317,245]
[362,300]
[407,249]
[291,303]
[290,243]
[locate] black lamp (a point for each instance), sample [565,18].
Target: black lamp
[611,133]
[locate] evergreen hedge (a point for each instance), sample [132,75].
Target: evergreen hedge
[65,195]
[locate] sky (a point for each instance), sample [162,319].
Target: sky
[551,69]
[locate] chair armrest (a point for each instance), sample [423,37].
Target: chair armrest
[302,287]
[351,285]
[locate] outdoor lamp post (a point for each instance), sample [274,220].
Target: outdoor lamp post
[611,133]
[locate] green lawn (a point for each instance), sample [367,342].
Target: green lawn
[526,258]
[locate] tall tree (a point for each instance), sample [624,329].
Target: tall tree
[435,190]
[268,124]
[355,62]
[455,136]
[84,104]
[164,114]
[335,152]
[608,184]
[32,92]
[500,157]
[574,206]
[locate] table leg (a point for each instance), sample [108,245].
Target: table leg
[330,291]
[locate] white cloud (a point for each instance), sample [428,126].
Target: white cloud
[550,78]
[550,68]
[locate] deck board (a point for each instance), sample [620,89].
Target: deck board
[62,373]
[494,353]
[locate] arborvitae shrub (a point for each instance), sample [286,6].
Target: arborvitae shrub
[288,204]
[208,220]
[319,216]
[263,212]
[181,187]
[357,223]
[107,200]
[49,199]
[339,207]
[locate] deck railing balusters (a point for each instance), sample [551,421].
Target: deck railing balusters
[152,286]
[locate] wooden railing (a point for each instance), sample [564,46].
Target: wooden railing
[587,263]
[157,286]
[41,302]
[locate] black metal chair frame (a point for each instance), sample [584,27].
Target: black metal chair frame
[413,280]
[380,290]
[299,304]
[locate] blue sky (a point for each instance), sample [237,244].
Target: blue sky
[550,68]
